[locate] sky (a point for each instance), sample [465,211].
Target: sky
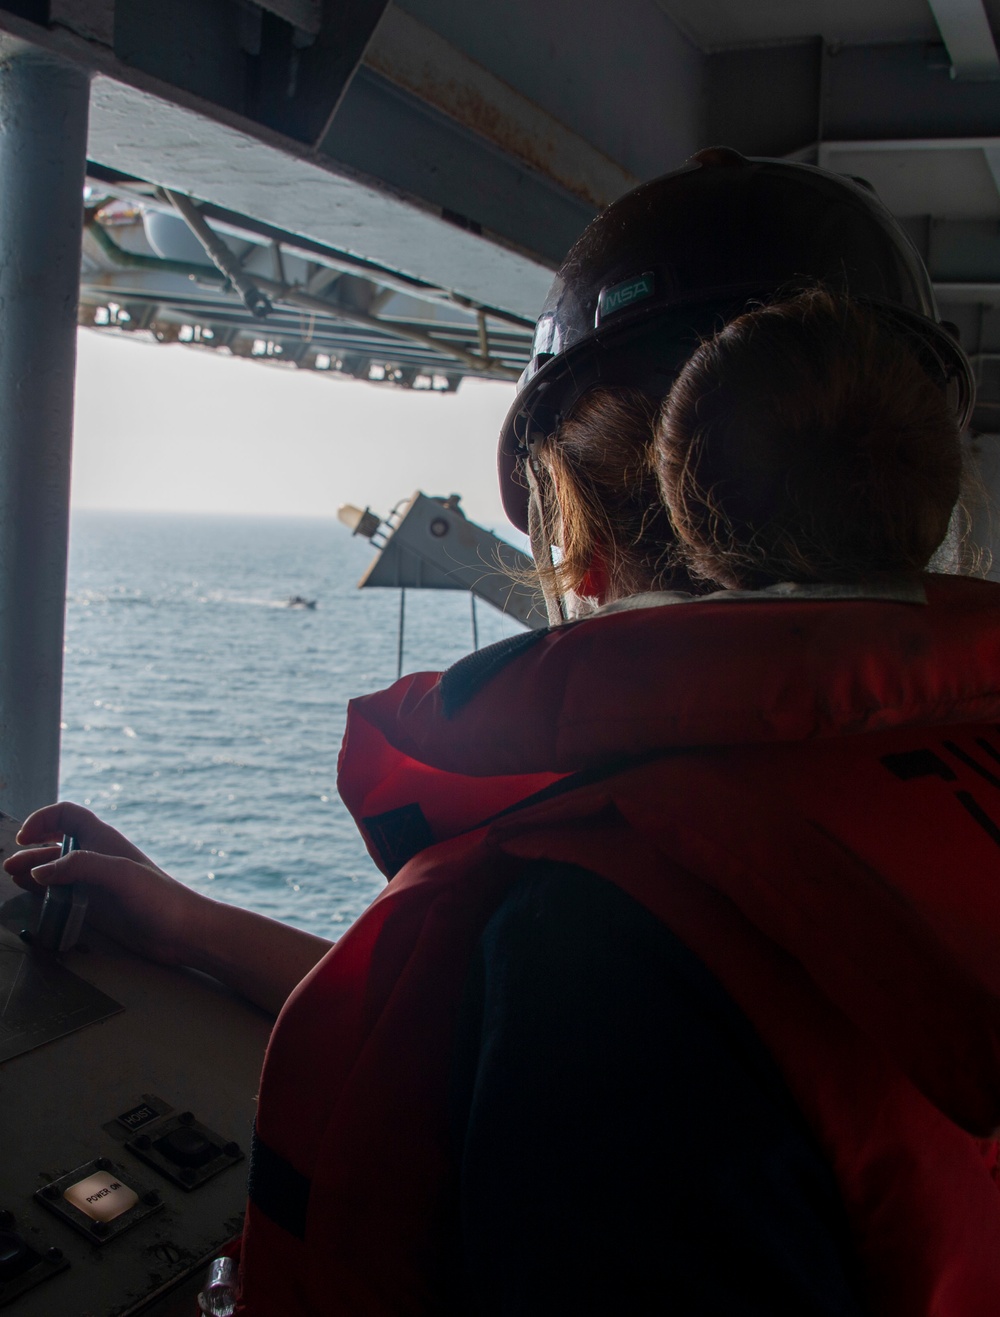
[174,428]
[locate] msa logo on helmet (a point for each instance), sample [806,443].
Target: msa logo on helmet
[619,297]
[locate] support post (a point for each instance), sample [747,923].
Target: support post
[43,152]
[402,628]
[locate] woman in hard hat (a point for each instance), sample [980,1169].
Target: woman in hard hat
[683,993]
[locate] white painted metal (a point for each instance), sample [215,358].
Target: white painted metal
[947,177]
[43,133]
[433,546]
[277,183]
[965,31]
[417,59]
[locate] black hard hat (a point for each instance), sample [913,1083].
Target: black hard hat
[673,260]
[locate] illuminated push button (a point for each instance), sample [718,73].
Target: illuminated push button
[186,1147]
[102,1197]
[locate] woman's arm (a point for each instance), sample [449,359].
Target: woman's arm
[141,906]
[261,958]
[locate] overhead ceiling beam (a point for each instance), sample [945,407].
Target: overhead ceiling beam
[903,91]
[992,154]
[968,292]
[139,134]
[990,147]
[301,82]
[876,144]
[418,60]
[387,133]
[779,99]
[965,31]
[94,20]
[306,15]
[144,127]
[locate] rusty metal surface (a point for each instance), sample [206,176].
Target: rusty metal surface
[415,58]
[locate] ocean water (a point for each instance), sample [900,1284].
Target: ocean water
[202,716]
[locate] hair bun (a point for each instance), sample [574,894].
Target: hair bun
[807,441]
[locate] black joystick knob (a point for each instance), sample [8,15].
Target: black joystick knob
[186,1147]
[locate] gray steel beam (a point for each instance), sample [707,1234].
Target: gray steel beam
[195,45]
[415,148]
[146,128]
[510,167]
[306,15]
[43,136]
[285,64]
[299,80]
[965,31]
[992,154]
[903,90]
[776,99]
[422,63]
[969,291]
[620,75]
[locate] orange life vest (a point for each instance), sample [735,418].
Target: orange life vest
[808,794]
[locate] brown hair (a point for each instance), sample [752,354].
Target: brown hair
[598,481]
[808,441]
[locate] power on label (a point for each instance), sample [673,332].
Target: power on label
[102,1197]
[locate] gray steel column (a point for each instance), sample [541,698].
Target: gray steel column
[43,145]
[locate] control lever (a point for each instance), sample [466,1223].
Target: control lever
[63,910]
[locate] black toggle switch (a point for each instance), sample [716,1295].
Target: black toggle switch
[21,1267]
[184,1150]
[187,1147]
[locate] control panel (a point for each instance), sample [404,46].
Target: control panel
[128,1094]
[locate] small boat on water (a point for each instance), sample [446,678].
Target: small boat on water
[297,601]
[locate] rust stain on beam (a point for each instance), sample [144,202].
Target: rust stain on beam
[414,58]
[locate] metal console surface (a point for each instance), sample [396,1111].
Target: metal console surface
[181,1044]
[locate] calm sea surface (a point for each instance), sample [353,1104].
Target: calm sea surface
[202,716]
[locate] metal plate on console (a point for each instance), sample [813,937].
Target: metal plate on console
[41,1000]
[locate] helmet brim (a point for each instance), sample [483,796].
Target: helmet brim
[645,354]
[649,352]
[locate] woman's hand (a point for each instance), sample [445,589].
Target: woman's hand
[129,897]
[145,909]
